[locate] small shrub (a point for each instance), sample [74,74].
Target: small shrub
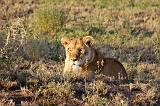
[58,91]
[118,100]
[95,100]
[13,38]
[47,19]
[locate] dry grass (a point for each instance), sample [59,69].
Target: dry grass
[32,58]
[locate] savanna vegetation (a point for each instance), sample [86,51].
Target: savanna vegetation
[32,58]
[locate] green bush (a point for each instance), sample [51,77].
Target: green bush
[47,19]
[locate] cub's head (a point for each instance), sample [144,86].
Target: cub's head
[79,51]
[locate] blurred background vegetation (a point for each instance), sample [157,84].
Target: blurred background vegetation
[30,32]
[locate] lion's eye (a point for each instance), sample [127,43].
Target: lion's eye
[80,50]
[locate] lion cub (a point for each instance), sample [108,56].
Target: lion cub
[83,60]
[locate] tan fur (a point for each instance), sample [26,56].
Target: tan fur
[83,60]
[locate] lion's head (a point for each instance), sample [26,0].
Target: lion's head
[78,51]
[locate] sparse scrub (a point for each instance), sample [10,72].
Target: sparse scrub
[32,58]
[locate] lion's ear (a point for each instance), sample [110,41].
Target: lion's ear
[65,41]
[88,40]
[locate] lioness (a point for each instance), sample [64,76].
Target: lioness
[83,60]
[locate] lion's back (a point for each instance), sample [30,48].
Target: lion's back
[114,68]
